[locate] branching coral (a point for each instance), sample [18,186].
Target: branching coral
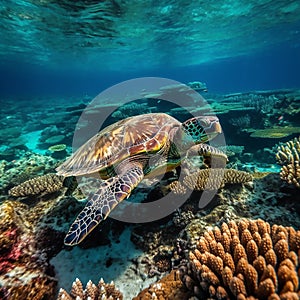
[245,260]
[210,179]
[102,291]
[288,156]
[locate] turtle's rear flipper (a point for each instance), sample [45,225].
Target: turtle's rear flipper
[100,204]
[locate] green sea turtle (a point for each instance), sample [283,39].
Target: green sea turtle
[128,150]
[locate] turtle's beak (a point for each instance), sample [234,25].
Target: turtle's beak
[217,127]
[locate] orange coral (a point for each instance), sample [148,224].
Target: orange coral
[245,260]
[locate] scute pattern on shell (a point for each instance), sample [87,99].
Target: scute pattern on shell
[245,260]
[119,141]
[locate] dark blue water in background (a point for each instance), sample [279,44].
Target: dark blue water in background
[80,48]
[275,68]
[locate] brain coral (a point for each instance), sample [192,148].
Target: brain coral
[245,260]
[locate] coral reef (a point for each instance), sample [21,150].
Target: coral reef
[45,184]
[210,179]
[58,151]
[245,260]
[103,291]
[275,132]
[198,86]
[25,272]
[17,171]
[242,122]
[131,109]
[170,287]
[288,156]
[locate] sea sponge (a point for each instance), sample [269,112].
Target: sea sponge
[288,156]
[45,184]
[245,260]
[210,179]
[102,291]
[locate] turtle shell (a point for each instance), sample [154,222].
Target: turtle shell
[146,133]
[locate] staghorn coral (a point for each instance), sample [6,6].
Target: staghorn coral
[245,260]
[210,179]
[288,156]
[45,184]
[103,291]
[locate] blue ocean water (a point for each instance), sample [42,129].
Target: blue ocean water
[57,56]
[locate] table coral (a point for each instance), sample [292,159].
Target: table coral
[245,260]
[288,156]
[275,132]
[103,291]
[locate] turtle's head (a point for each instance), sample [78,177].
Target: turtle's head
[202,129]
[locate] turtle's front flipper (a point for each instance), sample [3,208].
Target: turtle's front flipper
[100,204]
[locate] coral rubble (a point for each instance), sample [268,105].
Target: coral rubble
[245,260]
